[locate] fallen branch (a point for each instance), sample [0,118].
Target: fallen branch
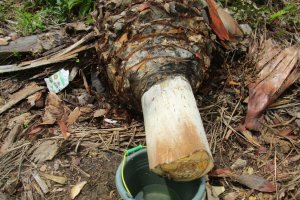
[60,56]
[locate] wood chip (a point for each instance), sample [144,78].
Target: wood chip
[55,110]
[40,181]
[57,179]
[3,42]
[32,99]
[209,193]
[239,163]
[18,120]
[63,128]
[76,189]
[20,95]
[74,115]
[11,138]
[248,135]
[86,109]
[45,151]
[217,190]
[99,113]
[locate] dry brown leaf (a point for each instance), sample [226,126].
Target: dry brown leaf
[256,182]
[294,158]
[222,172]
[76,189]
[34,98]
[268,52]
[144,6]
[279,71]
[45,151]
[248,135]
[3,41]
[63,128]
[55,109]
[79,26]
[57,179]
[217,190]
[231,196]
[233,28]
[86,109]
[216,23]
[74,115]
[209,193]
[251,181]
[284,146]
[18,120]
[239,163]
[100,113]
[234,83]
[286,131]
[35,130]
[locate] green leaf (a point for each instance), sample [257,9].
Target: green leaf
[85,7]
[291,8]
[73,3]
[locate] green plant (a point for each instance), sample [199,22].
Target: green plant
[289,9]
[65,7]
[38,15]
[28,22]
[255,12]
[4,8]
[17,54]
[83,6]
[290,13]
[247,11]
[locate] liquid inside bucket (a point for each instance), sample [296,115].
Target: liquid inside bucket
[145,185]
[157,192]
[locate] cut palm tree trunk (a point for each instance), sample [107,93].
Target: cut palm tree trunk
[176,140]
[156,55]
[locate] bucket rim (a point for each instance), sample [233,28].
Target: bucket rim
[124,195]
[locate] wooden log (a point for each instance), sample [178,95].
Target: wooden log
[176,141]
[21,45]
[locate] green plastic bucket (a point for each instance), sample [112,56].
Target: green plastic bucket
[145,185]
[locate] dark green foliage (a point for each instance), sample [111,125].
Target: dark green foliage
[38,15]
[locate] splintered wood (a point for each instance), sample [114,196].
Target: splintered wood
[279,68]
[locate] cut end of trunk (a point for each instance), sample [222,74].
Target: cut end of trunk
[188,168]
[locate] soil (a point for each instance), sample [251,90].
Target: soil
[96,144]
